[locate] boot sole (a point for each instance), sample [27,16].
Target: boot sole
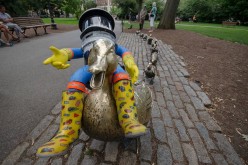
[136,135]
[51,155]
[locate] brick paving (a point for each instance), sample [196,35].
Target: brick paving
[181,131]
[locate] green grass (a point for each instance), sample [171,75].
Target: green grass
[237,34]
[211,25]
[67,21]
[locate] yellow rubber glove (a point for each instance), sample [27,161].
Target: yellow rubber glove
[59,58]
[131,67]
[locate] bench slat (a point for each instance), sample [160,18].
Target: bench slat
[30,22]
[229,23]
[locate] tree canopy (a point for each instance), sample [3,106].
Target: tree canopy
[205,10]
[21,7]
[125,6]
[214,10]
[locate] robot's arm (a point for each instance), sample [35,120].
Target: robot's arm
[76,53]
[128,61]
[120,50]
[60,57]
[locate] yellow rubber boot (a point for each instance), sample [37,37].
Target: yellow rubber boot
[127,112]
[70,124]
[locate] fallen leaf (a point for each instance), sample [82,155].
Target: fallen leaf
[66,156]
[243,135]
[32,143]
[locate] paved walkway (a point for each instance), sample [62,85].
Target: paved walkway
[181,130]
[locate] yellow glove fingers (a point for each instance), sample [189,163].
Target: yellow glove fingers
[55,50]
[48,60]
[129,61]
[134,75]
[57,64]
[133,80]
[64,66]
[131,67]
[58,58]
[60,65]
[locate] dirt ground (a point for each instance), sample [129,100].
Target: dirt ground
[219,67]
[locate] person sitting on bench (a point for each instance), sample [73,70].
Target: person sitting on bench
[6,33]
[8,21]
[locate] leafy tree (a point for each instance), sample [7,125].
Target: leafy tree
[115,11]
[167,20]
[214,10]
[21,7]
[139,2]
[235,9]
[73,7]
[126,6]
[196,7]
[16,8]
[87,4]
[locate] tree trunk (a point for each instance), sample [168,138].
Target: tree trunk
[167,20]
[139,7]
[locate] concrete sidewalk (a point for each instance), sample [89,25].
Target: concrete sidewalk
[181,130]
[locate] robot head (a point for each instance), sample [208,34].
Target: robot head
[96,24]
[96,18]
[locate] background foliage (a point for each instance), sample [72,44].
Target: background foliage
[66,7]
[214,10]
[205,10]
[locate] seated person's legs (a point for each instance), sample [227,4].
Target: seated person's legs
[125,103]
[7,33]
[17,29]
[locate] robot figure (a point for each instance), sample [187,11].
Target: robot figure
[95,24]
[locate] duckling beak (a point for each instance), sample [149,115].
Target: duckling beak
[97,80]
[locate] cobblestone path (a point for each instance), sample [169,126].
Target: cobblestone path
[181,130]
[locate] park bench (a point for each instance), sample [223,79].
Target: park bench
[228,23]
[30,23]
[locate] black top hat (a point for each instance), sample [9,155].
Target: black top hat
[96,20]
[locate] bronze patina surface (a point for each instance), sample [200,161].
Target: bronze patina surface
[100,119]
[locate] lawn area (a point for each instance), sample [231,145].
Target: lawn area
[67,21]
[237,34]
